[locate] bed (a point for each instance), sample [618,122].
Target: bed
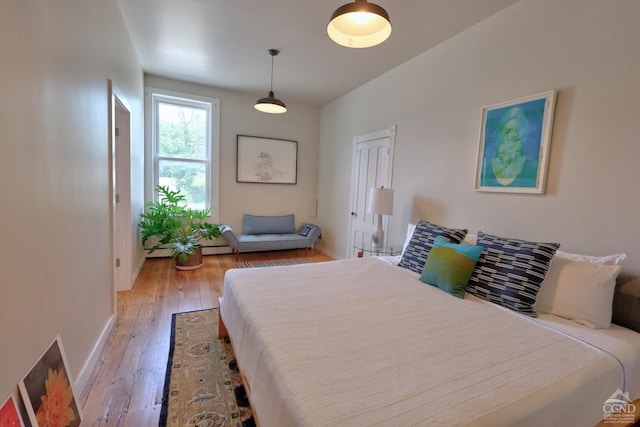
[364,342]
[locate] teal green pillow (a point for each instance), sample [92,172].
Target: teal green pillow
[449,266]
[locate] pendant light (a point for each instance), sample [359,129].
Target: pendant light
[271,104]
[359,24]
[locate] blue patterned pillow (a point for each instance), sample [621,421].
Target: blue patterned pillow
[415,256]
[510,272]
[305,229]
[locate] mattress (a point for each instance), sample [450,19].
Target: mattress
[363,342]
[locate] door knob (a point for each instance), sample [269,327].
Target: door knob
[353,214]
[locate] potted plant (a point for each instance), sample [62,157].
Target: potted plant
[177,227]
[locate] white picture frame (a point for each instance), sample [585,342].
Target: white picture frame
[515,140]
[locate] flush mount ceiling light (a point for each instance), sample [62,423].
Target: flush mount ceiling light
[359,24]
[271,104]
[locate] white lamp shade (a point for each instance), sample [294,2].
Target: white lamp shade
[359,25]
[380,201]
[270,107]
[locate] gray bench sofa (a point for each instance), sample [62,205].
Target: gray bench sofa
[269,233]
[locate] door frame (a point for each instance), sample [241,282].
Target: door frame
[359,142]
[121,234]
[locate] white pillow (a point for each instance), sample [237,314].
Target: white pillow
[470,239]
[410,229]
[580,291]
[608,259]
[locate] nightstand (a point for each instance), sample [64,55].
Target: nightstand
[367,248]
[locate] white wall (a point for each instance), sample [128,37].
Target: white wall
[55,255]
[238,117]
[587,50]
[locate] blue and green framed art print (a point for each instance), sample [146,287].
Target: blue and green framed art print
[514,145]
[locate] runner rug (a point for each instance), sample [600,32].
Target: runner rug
[272,263]
[203,386]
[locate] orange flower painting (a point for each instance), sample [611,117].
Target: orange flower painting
[47,391]
[55,410]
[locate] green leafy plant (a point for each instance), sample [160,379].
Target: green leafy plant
[176,226]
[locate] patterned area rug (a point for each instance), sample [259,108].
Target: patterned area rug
[272,263]
[203,386]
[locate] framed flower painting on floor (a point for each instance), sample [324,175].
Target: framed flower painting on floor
[514,145]
[47,390]
[9,414]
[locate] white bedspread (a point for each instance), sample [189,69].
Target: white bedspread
[363,342]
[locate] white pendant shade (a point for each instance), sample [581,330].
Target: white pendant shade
[271,104]
[359,25]
[270,108]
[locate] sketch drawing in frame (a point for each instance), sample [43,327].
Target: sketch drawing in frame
[47,390]
[267,160]
[10,414]
[515,139]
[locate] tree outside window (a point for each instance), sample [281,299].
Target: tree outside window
[183,147]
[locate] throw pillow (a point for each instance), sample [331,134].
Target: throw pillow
[615,259]
[449,266]
[305,229]
[415,256]
[580,291]
[510,272]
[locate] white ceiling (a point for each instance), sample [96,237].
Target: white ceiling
[224,43]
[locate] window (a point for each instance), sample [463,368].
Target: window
[185,146]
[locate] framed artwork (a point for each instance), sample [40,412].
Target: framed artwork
[47,390]
[9,414]
[514,145]
[267,160]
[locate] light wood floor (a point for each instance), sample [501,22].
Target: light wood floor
[126,385]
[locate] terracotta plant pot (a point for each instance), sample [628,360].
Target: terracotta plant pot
[192,263]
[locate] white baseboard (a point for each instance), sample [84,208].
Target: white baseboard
[206,250]
[216,250]
[332,255]
[82,380]
[138,269]
[322,249]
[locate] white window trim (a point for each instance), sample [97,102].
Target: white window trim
[213,148]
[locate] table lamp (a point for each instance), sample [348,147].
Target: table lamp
[380,203]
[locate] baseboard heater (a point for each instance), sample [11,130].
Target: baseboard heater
[206,250]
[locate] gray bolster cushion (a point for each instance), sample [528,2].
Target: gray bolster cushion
[256,224]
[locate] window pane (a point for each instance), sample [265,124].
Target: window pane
[188,177]
[182,131]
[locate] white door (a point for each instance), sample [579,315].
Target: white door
[123,225]
[372,167]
